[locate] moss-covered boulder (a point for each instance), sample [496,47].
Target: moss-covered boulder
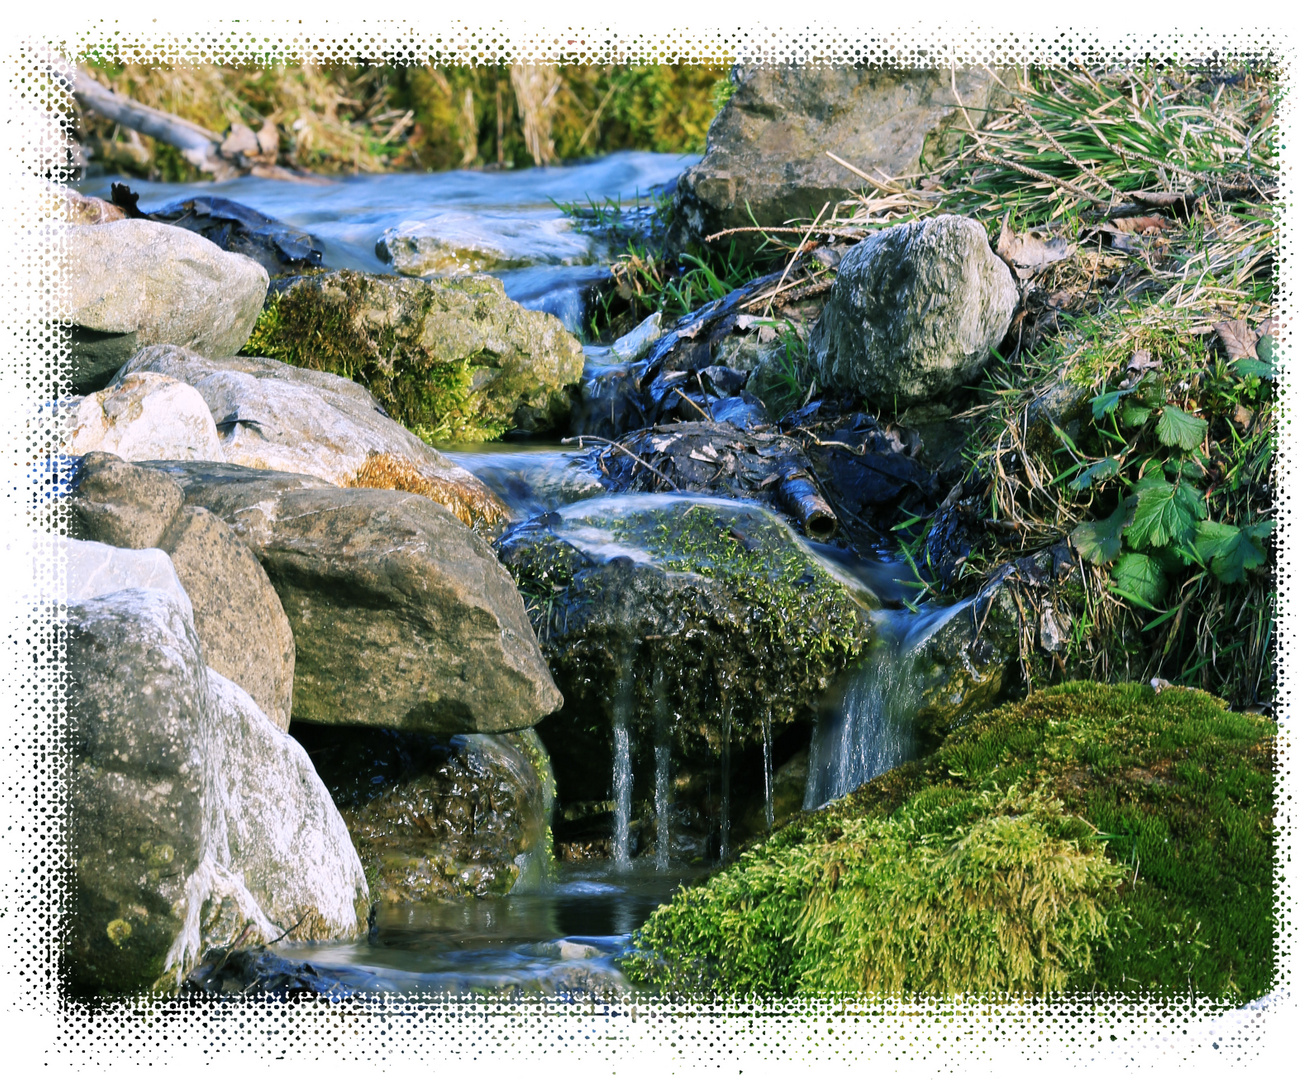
[710,605]
[1092,836]
[435,818]
[453,359]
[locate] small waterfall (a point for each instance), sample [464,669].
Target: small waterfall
[872,730]
[767,769]
[662,774]
[724,811]
[623,779]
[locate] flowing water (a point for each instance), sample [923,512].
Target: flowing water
[543,263]
[562,932]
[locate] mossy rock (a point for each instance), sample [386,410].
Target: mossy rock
[705,610]
[1091,837]
[452,359]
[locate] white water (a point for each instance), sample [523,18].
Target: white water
[767,770]
[872,729]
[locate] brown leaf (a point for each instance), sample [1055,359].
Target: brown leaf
[1142,361]
[1168,200]
[1027,253]
[1243,417]
[1140,225]
[1266,328]
[1239,341]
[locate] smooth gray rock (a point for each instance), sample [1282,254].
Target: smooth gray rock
[160,283]
[402,616]
[138,696]
[121,504]
[768,146]
[272,415]
[242,626]
[190,816]
[915,312]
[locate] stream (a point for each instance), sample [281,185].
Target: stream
[562,935]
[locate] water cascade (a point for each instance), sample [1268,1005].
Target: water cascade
[724,810]
[872,729]
[622,777]
[767,770]
[662,775]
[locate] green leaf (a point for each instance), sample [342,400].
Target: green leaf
[1140,579]
[1178,428]
[1105,469]
[1134,415]
[1266,348]
[1231,551]
[1104,405]
[1166,513]
[1189,468]
[1248,367]
[1099,541]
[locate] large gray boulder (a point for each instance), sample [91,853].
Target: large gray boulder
[769,145]
[915,312]
[452,358]
[241,624]
[272,415]
[402,616]
[135,283]
[191,818]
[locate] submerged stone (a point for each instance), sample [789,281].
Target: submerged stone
[437,819]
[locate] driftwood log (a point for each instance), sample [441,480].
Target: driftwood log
[238,153]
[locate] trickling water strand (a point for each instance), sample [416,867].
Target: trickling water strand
[622,777]
[621,791]
[662,774]
[724,812]
[767,769]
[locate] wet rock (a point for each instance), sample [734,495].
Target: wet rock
[192,819]
[271,415]
[769,145]
[709,611]
[143,416]
[139,283]
[243,630]
[450,359]
[401,615]
[456,242]
[279,248]
[870,471]
[262,973]
[437,819]
[724,460]
[915,312]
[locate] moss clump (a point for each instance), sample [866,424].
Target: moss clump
[1093,837]
[720,620]
[473,504]
[452,359]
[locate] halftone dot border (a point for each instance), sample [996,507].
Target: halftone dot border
[1074,1028]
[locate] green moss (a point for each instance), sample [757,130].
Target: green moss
[311,328]
[728,625]
[1132,851]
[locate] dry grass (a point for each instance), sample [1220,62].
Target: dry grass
[474,504]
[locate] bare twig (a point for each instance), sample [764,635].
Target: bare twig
[794,255]
[693,404]
[581,439]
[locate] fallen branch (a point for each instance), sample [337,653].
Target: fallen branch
[580,441]
[198,145]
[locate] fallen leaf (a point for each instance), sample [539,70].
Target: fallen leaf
[1026,253]
[1165,199]
[1142,361]
[1243,417]
[1140,225]
[1239,341]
